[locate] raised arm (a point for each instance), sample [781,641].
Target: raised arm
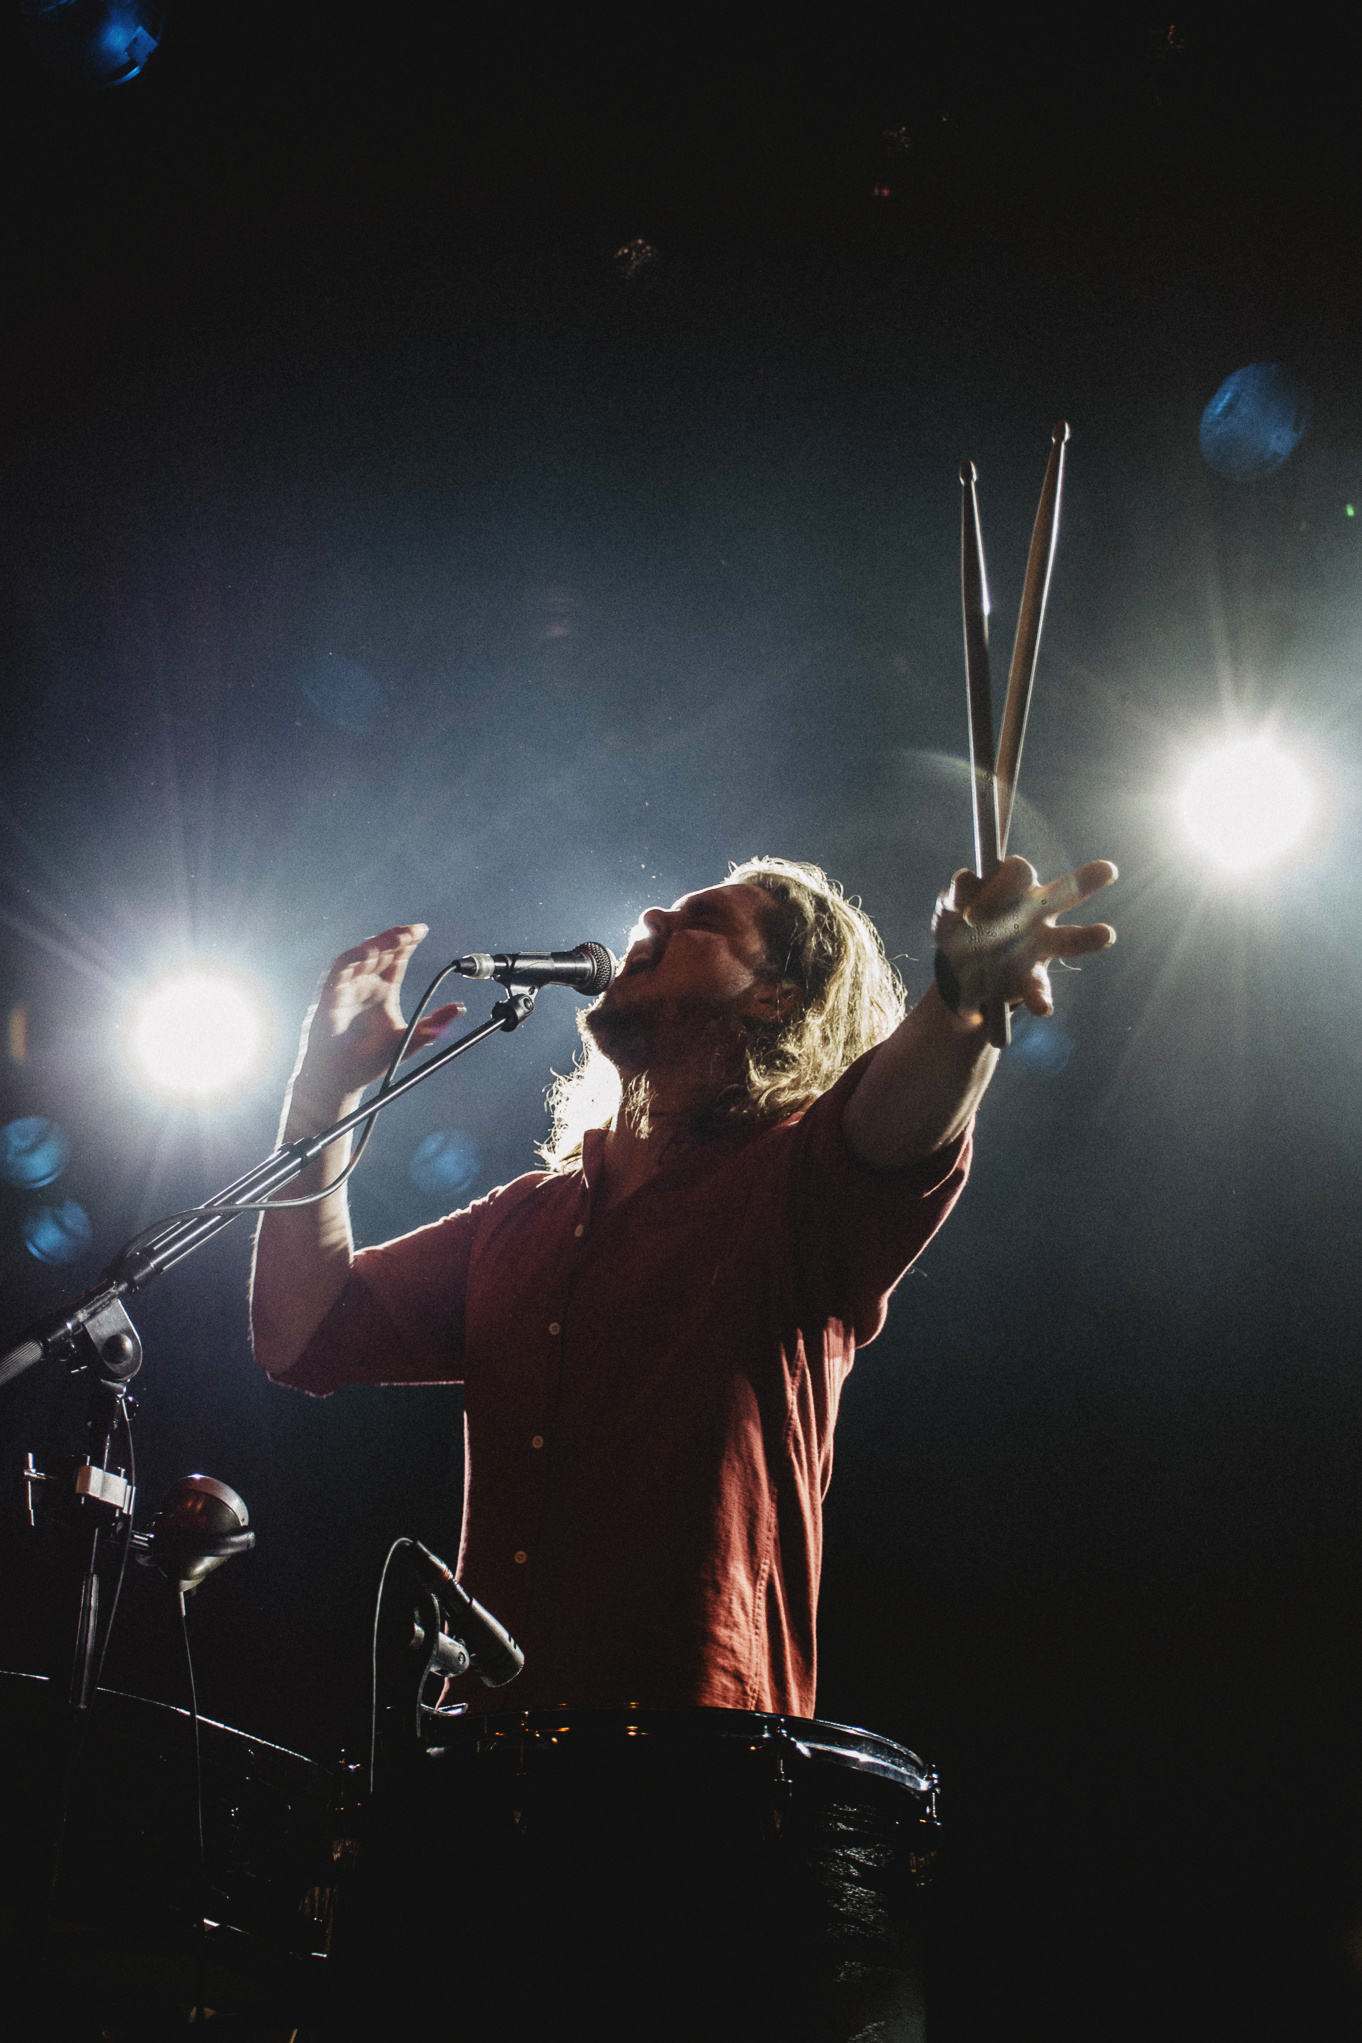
[997,938]
[303,1255]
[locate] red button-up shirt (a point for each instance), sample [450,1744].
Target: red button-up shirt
[649,1398]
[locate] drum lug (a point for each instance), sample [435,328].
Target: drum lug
[782,1778]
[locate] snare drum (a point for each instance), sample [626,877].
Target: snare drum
[644,1874]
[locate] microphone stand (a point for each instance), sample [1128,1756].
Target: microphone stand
[96,1333]
[96,1328]
[96,1499]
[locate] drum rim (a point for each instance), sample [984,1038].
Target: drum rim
[243,1740]
[812,1738]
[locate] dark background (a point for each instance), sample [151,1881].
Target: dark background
[319,348]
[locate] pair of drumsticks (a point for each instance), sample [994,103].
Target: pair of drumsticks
[993,777]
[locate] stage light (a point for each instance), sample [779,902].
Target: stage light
[1246,803]
[197,1034]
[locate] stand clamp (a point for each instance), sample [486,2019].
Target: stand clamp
[516,1007]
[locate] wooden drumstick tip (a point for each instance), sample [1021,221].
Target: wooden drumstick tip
[1060,432]
[968,473]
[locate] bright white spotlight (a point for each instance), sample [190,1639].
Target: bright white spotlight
[1246,803]
[197,1033]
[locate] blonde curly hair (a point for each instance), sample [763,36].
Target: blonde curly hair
[825,948]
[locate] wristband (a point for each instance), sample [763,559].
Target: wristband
[947,981]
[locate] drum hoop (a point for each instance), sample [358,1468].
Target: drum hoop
[810,1738]
[122,1711]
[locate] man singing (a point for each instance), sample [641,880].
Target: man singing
[653,1331]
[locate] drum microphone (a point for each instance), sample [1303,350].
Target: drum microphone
[200,1525]
[588,969]
[493,1653]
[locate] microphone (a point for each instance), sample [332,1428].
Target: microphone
[200,1525]
[494,1654]
[587,969]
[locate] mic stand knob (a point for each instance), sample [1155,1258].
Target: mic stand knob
[516,1007]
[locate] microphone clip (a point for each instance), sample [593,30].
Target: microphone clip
[517,1007]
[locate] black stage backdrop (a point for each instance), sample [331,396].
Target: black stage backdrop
[496,472]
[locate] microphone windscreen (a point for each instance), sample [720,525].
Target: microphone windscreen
[20,1357]
[606,963]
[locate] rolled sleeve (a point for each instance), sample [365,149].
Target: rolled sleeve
[400,1318]
[855,1229]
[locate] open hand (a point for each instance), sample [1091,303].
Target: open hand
[1000,934]
[356,1023]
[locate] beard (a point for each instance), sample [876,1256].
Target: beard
[625,1038]
[641,1042]
[642,1045]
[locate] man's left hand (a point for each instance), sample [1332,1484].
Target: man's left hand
[999,935]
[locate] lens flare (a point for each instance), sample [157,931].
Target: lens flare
[1246,803]
[197,1035]
[446,1162]
[33,1152]
[58,1234]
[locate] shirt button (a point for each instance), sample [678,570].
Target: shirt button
[521,1558]
[554,1327]
[538,1440]
[579,1230]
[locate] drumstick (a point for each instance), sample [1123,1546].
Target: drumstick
[983,786]
[1040,561]
[974,603]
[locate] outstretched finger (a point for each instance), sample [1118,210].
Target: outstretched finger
[395,948]
[1078,940]
[370,955]
[1057,897]
[1092,877]
[1037,994]
[361,957]
[432,1026]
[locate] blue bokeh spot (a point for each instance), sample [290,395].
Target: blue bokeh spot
[57,1234]
[445,1162]
[1255,421]
[344,693]
[94,42]
[1039,1049]
[33,1152]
